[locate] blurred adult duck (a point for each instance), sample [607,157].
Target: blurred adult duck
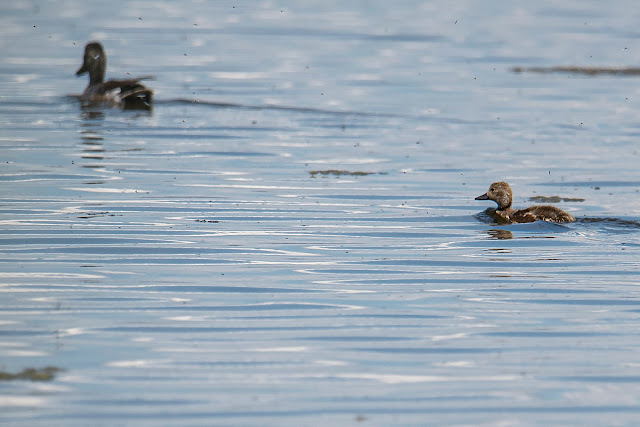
[128,93]
[501,193]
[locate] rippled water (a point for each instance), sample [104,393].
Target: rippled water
[193,266]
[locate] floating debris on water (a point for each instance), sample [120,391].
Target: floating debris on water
[614,222]
[587,71]
[554,199]
[45,374]
[337,172]
[86,215]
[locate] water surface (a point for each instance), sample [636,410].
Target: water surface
[186,266]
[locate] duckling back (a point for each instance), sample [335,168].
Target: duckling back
[541,213]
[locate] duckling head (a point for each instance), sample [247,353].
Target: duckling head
[95,63]
[499,192]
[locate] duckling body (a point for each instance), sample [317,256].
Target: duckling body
[128,93]
[501,193]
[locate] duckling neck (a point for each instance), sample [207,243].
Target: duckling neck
[96,77]
[505,212]
[504,204]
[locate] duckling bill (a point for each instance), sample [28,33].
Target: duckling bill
[501,193]
[128,93]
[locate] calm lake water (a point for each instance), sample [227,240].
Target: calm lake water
[188,266]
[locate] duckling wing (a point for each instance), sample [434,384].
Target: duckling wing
[122,85]
[131,92]
[524,215]
[542,213]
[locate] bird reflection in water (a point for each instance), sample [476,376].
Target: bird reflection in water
[91,134]
[500,234]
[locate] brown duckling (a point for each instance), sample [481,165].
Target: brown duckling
[500,192]
[126,93]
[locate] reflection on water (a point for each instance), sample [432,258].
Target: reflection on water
[500,234]
[92,114]
[91,135]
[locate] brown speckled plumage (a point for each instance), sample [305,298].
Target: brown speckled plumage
[500,192]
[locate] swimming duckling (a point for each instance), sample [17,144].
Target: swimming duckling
[500,192]
[126,93]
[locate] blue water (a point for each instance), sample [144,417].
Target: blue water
[184,266]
